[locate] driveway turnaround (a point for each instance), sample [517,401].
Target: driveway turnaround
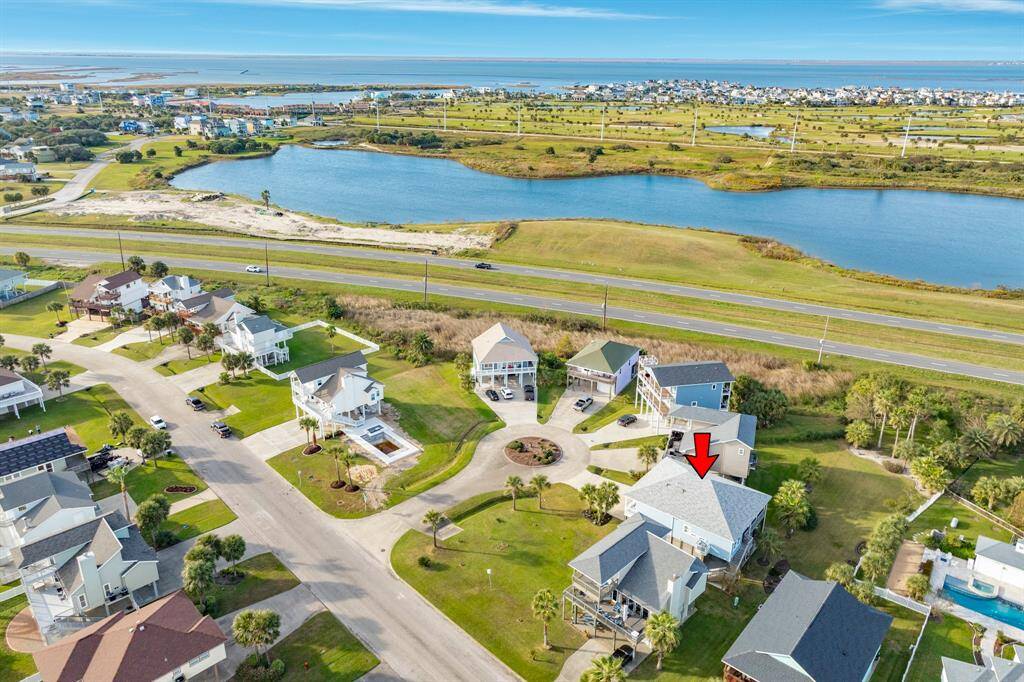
[580,308]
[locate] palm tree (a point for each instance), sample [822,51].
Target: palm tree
[309,424]
[885,401]
[545,607]
[42,351]
[540,483]
[1005,432]
[256,628]
[840,572]
[55,307]
[347,459]
[663,630]
[977,442]
[265,198]
[186,337]
[246,362]
[648,455]
[809,470]
[116,476]
[770,542]
[332,331]
[197,576]
[604,669]
[434,519]
[120,423]
[58,380]
[514,485]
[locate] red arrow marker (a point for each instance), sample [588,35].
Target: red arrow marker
[701,460]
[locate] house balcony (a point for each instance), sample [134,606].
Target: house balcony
[621,621]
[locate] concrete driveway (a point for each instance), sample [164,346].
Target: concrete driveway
[563,416]
[613,433]
[275,440]
[515,411]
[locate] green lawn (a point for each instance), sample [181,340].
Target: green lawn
[265,576]
[262,402]
[612,410]
[88,411]
[850,499]
[622,477]
[547,398]
[1003,466]
[183,365]
[906,626]
[969,524]
[39,376]
[145,350]
[657,441]
[146,480]
[945,635]
[706,636]
[331,651]
[313,345]
[798,426]
[14,666]
[527,550]
[202,518]
[99,336]
[31,317]
[317,472]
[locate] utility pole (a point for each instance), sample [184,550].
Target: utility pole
[266,261]
[426,275]
[519,120]
[377,109]
[906,136]
[693,138]
[120,248]
[444,113]
[602,126]
[792,141]
[821,341]
[604,310]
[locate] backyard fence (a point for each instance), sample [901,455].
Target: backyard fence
[906,602]
[917,645]
[986,514]
[28,295]
[371,347]
[924,507]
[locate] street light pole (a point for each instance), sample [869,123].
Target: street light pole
[693,138]
[604,310]
[821,341]
[120,248]
[792,141]
[426,275]
[266,261]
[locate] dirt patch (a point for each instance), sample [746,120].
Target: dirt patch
[533,451]
[907,563]
[23,634]
[180,489]
[311,449]
[248,218]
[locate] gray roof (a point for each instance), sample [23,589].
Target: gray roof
[41,448]
[65,486]
[714,504]
[638,547]
[260,323]
[82,534]
[692,373]
[1002,552]
[179,282]
[819,625]
[1001,670]
[726,425]
[330,366]
[9,377]
[103,545]
[613,552]
[502,343]
[135,548]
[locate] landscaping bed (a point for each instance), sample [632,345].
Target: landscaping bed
[183,489]
[157,476]
[533,451]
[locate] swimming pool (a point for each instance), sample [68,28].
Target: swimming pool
[957,591]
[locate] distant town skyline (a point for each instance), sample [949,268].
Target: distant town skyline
[842,30]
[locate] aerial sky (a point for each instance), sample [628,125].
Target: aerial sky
[651,29]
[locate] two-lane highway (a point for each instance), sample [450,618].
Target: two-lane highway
[567,306]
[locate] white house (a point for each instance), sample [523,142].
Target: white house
[996,669]
[17,392]
[49,451]
[632,572]
[501,354]
[603,367]
[36,506]
[165,641]
[260,336]
[83,570]
[218,308]
[732,438]
[16,170]
[1001,565]
[164,294]
[337,392]
[713,518]
[100,294]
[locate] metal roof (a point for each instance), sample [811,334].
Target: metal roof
[603,356]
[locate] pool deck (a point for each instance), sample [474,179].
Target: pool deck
[945,566]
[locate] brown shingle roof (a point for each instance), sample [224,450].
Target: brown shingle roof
[84,290]
[127,647]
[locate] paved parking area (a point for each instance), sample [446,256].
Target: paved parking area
[613,433]
[515,411]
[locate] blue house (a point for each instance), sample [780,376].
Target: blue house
[660,389]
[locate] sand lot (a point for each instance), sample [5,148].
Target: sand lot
[252,219]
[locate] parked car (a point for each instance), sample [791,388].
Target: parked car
[158,422]
[105,450]
[483,266]
[222,429]
[625,653]
[99,461]
[492,394]
[117,462]
[528,393]
[195,403]
[626,420]
[253,268]
[507,393]
[582,404]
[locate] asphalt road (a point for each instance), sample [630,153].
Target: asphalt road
[549,273]
[561,305]
[414,640]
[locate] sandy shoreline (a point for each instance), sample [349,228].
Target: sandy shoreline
[248,218]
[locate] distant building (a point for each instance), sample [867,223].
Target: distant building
[137,127]
[18,170]
[166,293]
[263,338]
[603,367]
[191,92]
[660,389]
[17,393]
[101,294]
[732,438]
[12,283]
[501,355]
[218,308]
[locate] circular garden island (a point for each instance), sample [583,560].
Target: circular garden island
[533,451]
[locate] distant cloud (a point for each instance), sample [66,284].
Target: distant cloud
[1004,6]
[512,8]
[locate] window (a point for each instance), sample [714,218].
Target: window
[106,588]
[201,657]
[83,602]
[714,387]
[741,450]
[693,403]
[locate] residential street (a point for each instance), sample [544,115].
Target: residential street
[563,305]
[550,273]
[412,638]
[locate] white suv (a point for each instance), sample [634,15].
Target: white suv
[507,394]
